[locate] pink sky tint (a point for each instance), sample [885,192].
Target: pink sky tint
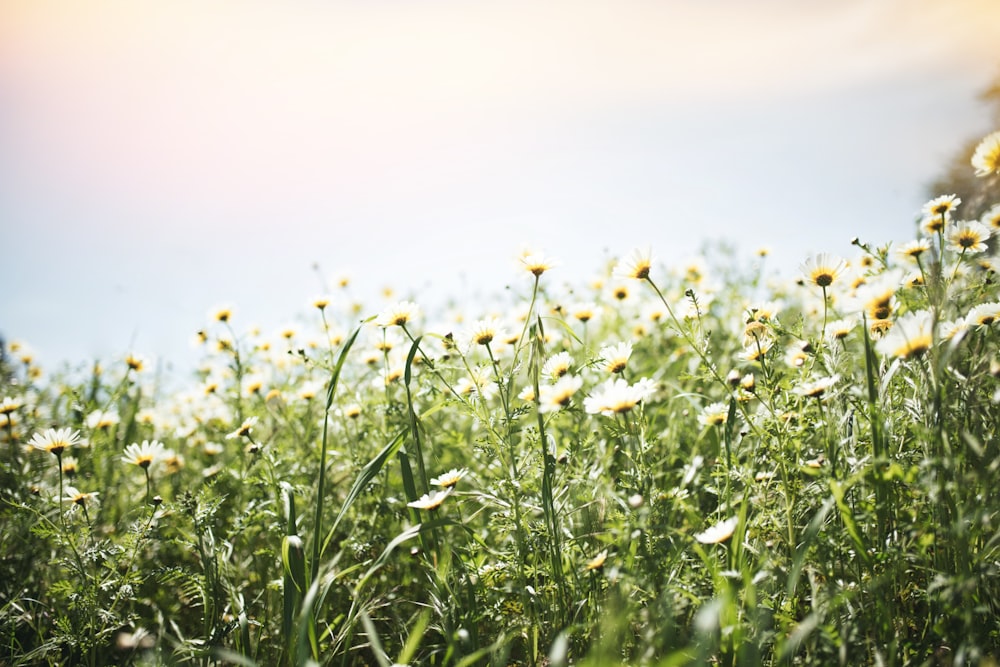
[168,156]
[212,101]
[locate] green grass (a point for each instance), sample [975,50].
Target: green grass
[785,473]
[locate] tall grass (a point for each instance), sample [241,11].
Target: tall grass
[781,472]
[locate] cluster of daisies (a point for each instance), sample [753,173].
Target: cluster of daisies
[58,442]
[276,374]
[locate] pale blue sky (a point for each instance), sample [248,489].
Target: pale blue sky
[157,160]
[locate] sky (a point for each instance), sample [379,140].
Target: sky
[159,159]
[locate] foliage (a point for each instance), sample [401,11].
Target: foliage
[667,467]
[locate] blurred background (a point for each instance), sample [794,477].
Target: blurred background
[159,159]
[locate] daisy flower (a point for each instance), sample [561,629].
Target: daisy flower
[714,414]
[450,478]
[54,441]
[557,365]
[720,532]
[983,315]
[758,338]
[615,357]
[823,269]
[953,329]
[764,312]
[992,217]
[816,388]
[143,455]
[398,314]
[431,501]
[536,262]
[222,314]
[135,362]
[584,312]
[986,158]
[554,397]
[9,405]
[620,292]
[245,429]
[616,396]
[389,376]
[484,331]
[797,353]
[70,466]
[969,237]
[879,328]
[941,208]
[913,249]
[77,497]
[911,336]
[915,279]
[99,419]
[654,312]
[636,265]
[840,329]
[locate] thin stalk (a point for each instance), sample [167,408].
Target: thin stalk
[548,478]
[321,482]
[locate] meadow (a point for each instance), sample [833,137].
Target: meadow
[670,465]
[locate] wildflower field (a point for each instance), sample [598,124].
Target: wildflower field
[669,466]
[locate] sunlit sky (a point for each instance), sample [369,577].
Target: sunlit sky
[158,159]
